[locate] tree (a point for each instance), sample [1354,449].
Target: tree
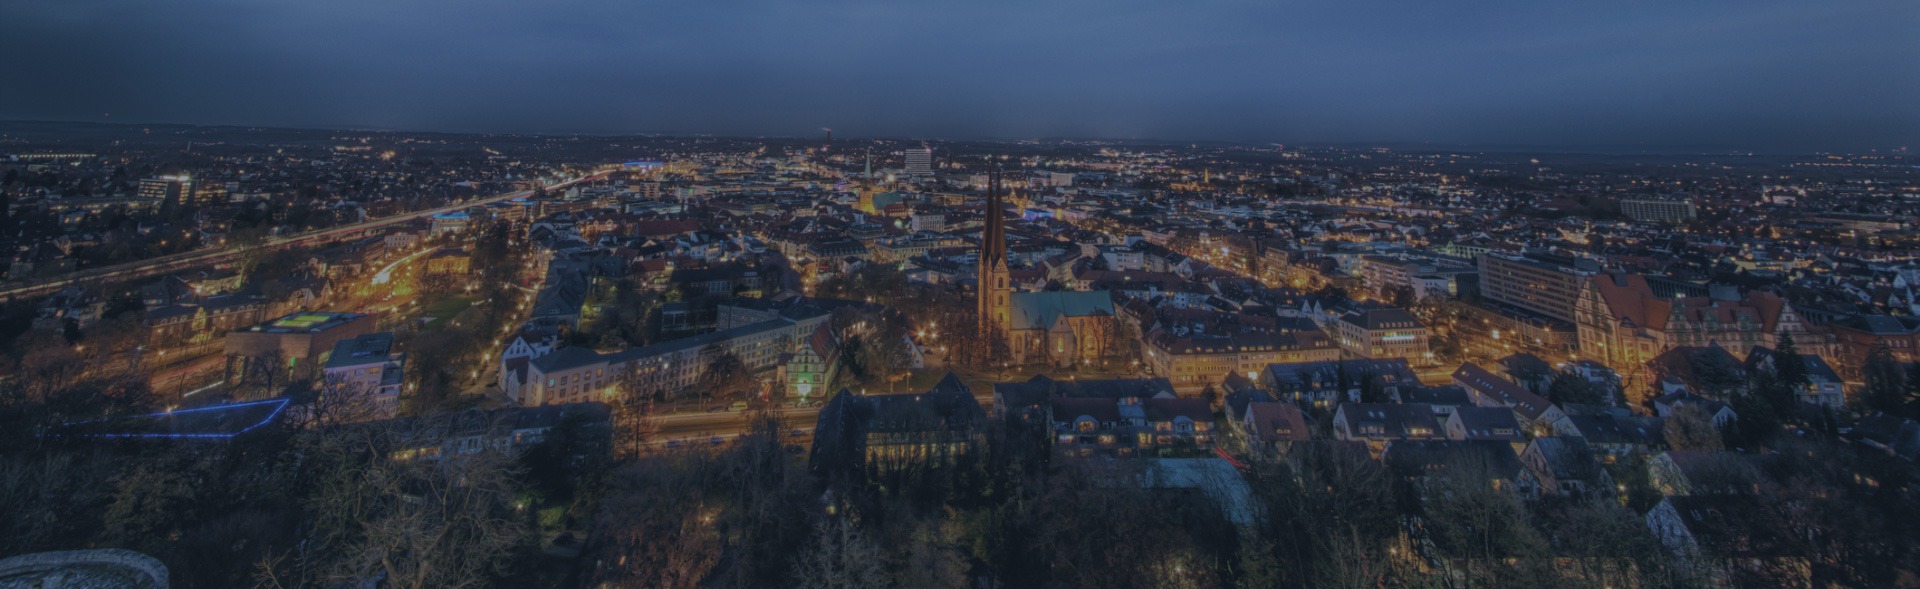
[1120,339]
[1446,346]
[148,503]
[263,375]
[1372,388]
[653,530]
[724,376]
[1885,388]
[339,402]
[634,420]
[1481,524]
[1401,296]
[450,520]
[879,357]
[1571,387]
[1714,372]
[1788,365]
[840,558]
[1689,427]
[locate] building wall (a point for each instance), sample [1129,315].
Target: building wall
[1536,287]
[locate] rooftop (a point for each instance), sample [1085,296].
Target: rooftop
[372,348]
[306,322]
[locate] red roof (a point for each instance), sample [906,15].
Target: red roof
[1275,422]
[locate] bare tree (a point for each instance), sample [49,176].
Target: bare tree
[337,402]
[384,509]
[263,375]
[724,375]
[634,420]
[840,558]
[1690,428]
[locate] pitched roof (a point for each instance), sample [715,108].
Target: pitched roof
[1568,456]
[1420,458]
[1037,310]
[1620,429]
[566,358]
[1505,392]
[1271,422]
[1396,419]
[1102,410]
[1166,409]
[1488,423]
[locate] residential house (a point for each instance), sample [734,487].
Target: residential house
[1563,465]
[1727,537]
[1489,390]
[1271,428]
[1380,423]
[1612,436]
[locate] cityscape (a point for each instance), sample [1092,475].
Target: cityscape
[518,350]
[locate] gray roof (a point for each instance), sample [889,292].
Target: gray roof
[1388,318]
[1417,458]
[1037,310]
[371,348]
[1486,423]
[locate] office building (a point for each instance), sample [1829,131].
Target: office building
[170,191]
[1537,284]
[1382,334]
[920,162]
[1662,211]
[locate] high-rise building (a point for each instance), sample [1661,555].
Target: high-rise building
[1545,287]
[169,190]
[995,279]
[208,193]
[920,162]
[1667,211]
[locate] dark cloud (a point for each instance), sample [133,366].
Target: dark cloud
[1836,74]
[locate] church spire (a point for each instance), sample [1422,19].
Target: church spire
[866,188]
[993,275]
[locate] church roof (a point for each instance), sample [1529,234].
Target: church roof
[1037,310]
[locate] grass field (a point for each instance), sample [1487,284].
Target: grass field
[442,312]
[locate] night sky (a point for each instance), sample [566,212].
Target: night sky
[1803,74]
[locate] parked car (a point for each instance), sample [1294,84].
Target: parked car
[796,433]
[738,406]
[673,443]
[717,440]
[718,409]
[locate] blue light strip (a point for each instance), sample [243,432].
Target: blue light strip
[277,410]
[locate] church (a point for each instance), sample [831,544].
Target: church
[1057,327]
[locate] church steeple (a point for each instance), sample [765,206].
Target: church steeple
[994,279]
[866,187]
